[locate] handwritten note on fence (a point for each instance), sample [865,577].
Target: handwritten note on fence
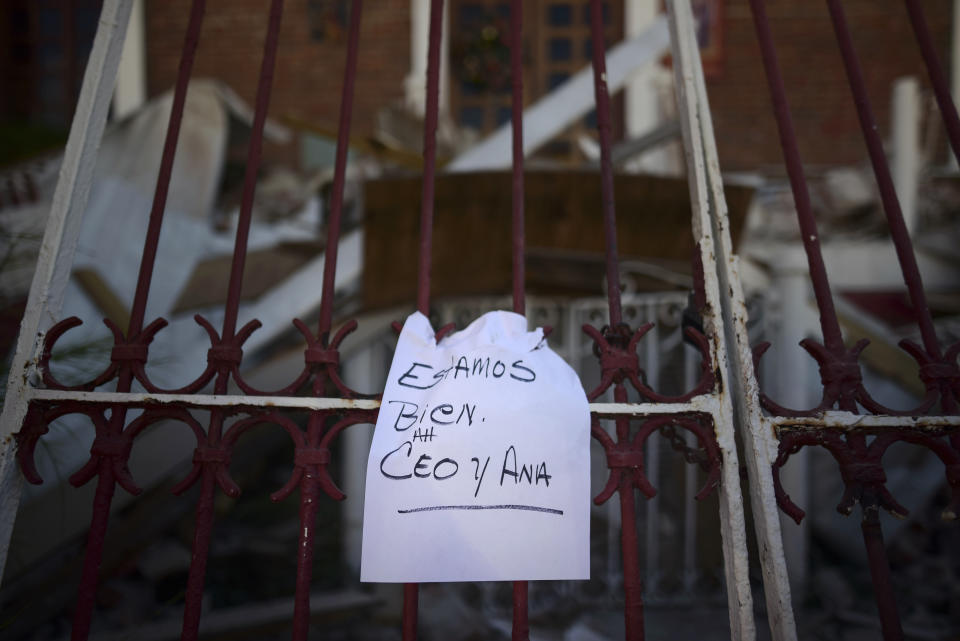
[479,468]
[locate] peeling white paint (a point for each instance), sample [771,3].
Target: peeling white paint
[59,242]
[721,287]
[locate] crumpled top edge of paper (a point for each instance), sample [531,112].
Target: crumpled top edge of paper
[503,328]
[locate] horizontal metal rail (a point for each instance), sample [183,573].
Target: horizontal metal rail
[706,404]
[848,421]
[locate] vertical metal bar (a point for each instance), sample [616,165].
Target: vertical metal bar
[339,172]
[152,239]
[632,585]
[690,358]
[86,594]
[516,118]
[938,78]
[411,590]
[204,510]
[203,527]
[310,489]
[59,242]
[521,624]
[880,573]
[602,97]
[810,237]
[309,500]
[253,166]
[106,479]
[651,347]
[429,155]
[411,594]
[888,195]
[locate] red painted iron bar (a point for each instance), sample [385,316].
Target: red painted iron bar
[429,156]
[411,590]
[254,153]
[938,78]
[152,240]
[521,619]
[203,528]
[411,596]
[521,589]
[888,195]
[880,573]
[339,172]
[106,480]
[516,119]
[309,495]
[606,166]
[204,510]
[632,584]
[86,594]
[829,324]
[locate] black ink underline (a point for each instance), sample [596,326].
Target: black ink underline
[527,508]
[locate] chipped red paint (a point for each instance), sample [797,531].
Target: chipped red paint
[938,79]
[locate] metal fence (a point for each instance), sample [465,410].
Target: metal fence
[628,405]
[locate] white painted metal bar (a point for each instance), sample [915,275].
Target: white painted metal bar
[697,405]
[847,421]
[741,386]
[142,399]
[59,242]
[710,218]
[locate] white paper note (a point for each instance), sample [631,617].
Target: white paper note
[479,468]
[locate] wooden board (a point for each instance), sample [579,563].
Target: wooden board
[471,237]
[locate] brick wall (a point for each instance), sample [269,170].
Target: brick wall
[820,101]
[309,73]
